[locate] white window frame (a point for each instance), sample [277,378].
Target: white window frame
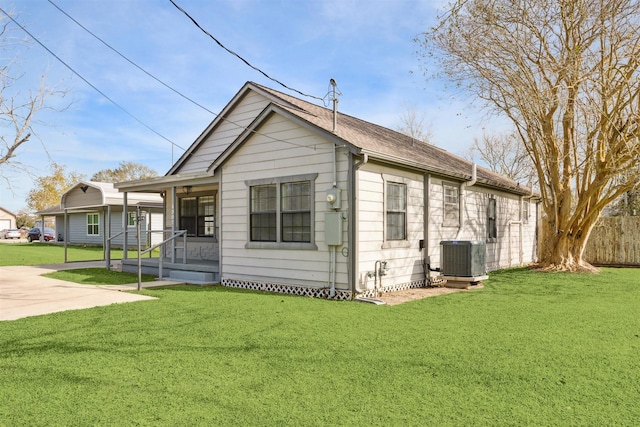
[279,243]
[450,207]
[492,221]
[199,217]
[92,225]
[526,211]
[401,243]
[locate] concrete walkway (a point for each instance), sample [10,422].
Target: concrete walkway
[24,292]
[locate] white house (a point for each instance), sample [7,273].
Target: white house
[91,213]
[283,195]
[7,219]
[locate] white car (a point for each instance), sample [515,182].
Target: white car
[12,233]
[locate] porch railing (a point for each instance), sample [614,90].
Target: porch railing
[171,239]
[162,245]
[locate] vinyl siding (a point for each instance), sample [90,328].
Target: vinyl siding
[289,150]
[226,132]
[77,233]
[505,251]
[78,198]
[404,264]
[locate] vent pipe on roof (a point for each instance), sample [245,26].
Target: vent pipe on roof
[334,99]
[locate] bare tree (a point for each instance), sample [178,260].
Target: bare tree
[504,154]
[566,73]
[412,123]
[18,108]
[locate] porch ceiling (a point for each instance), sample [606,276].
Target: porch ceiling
[161,183]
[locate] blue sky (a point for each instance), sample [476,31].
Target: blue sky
[366,46]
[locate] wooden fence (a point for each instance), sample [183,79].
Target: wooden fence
[614,241]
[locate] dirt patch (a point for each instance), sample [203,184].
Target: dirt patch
[399,297]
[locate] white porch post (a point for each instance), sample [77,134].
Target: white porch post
[65,236]
[174,219]
[125,225]
[107,236]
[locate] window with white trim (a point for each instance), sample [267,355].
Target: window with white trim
[396,211]
[264,203]
[197,215]
[132,219]
[525,212]
[492,220]
[451,207]
[281,212]
[93,224]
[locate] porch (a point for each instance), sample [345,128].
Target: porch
[194,271]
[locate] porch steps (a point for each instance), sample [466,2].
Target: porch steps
[193,277]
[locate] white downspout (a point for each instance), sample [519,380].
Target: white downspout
[520,232]
[463,186]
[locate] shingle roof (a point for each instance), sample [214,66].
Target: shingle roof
[388,145]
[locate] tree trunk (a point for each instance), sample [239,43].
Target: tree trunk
[562,250]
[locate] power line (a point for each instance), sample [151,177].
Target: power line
[89,83]
[171,88]
[239,57]
[150,75]
[130,61]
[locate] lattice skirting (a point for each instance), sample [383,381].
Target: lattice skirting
[285,289]
[319,292]
[372,293]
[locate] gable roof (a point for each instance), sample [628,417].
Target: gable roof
[362,137]
[108,195]
[7,211]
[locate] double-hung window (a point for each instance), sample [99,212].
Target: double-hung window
[93,224]
[281,212]
[296,211]
[197,215]
[492,223]
[396,206]
[264,203]
[451,208]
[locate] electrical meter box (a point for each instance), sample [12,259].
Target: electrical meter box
[334,198]
[333,228]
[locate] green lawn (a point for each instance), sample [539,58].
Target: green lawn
[49,253]
[98,276]
[530,349]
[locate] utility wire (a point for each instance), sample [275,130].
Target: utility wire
[239,57]
[255,132]
[130,61]
[89,83]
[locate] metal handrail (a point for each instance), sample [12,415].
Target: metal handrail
[108,249]
[177,234]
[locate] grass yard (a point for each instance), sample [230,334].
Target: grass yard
[530,349]
[98,276]
[50,253]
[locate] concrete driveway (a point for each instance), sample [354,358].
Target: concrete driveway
[24,292]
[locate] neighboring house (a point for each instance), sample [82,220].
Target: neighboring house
[7,219]
[279,194]
[91,212]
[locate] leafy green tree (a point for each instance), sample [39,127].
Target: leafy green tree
[126,171]
[49,189]
[24,219]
